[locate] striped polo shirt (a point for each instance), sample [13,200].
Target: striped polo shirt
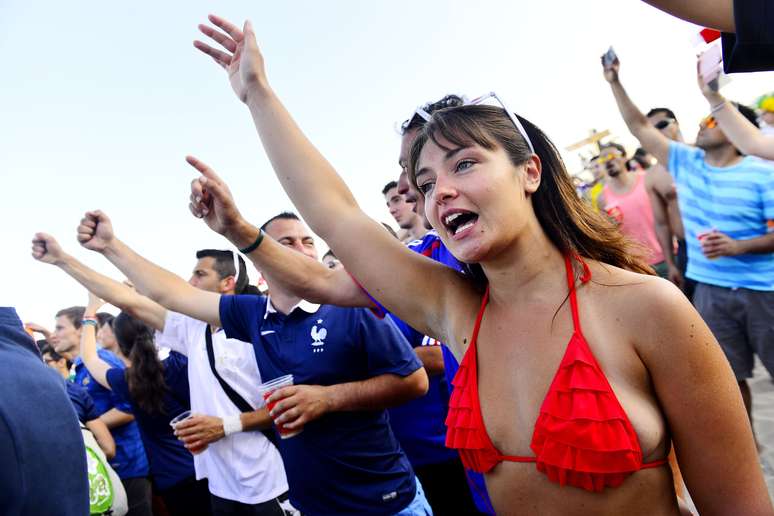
[737,201]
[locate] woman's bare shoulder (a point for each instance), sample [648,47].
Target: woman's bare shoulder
[648,305]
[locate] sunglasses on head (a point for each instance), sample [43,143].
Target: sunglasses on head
[663,124]
[708,123]
[425,115]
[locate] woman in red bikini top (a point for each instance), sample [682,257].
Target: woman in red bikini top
[582,437]
[563,419]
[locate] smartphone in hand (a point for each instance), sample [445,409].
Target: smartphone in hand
[609,58]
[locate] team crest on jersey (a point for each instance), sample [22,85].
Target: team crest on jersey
[318,337]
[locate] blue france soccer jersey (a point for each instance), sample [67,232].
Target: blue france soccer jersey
[345,462]
[737,201]
[170,462]
[130,460]
[81,402]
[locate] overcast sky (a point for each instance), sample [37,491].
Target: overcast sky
[101,101]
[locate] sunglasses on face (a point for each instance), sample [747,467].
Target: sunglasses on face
[663,124]
[708,123]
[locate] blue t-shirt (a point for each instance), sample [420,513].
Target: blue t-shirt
[345,462]
[737,201]
[41,447]
[170,462]
[130,460]
[82,402]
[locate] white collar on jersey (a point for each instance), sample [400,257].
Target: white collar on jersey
[304,305]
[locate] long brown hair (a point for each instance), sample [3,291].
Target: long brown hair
[145,377]
[569,222]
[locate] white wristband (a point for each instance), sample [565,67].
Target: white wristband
[232,424]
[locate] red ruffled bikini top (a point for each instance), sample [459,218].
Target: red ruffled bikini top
[582,436]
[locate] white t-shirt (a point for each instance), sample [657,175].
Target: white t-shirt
[244,467]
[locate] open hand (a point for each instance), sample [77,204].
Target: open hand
[95,231]
[46,249]
[242,58]
[211,199]
[298,405]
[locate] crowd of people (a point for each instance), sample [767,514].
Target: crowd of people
[510,350]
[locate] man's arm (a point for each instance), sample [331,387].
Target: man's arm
[211,201]
[300,404]
[742,133]
[717,244]
[718,14]
[47,250]
[103,436]
[662,227]
[170,291]
[431,358]
[650,138]
[37,328]
[114,418]
[199,431]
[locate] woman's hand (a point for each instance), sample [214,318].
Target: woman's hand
[242,58]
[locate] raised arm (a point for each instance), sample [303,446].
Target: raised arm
[709,426]
[211,201]
[169,290]
[718,14]
[97,367]
[46,249]
[366,250]
[103,436]
[650,138]
[742,133]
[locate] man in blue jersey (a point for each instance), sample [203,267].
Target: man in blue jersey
[130,462]
[347,365]
[727,204]
[448,490]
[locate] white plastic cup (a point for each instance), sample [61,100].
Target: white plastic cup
[184,416]
[180,418]
[267,389]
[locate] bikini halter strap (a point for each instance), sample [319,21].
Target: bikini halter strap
[585,277]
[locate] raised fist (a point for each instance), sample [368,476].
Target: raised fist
[95,231]
[46,249]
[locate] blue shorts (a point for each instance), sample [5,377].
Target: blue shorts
[419,505]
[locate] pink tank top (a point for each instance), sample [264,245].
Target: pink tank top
[634,213]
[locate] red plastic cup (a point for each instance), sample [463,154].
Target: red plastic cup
[701,235]
[266,390]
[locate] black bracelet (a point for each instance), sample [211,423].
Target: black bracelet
[252,247]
